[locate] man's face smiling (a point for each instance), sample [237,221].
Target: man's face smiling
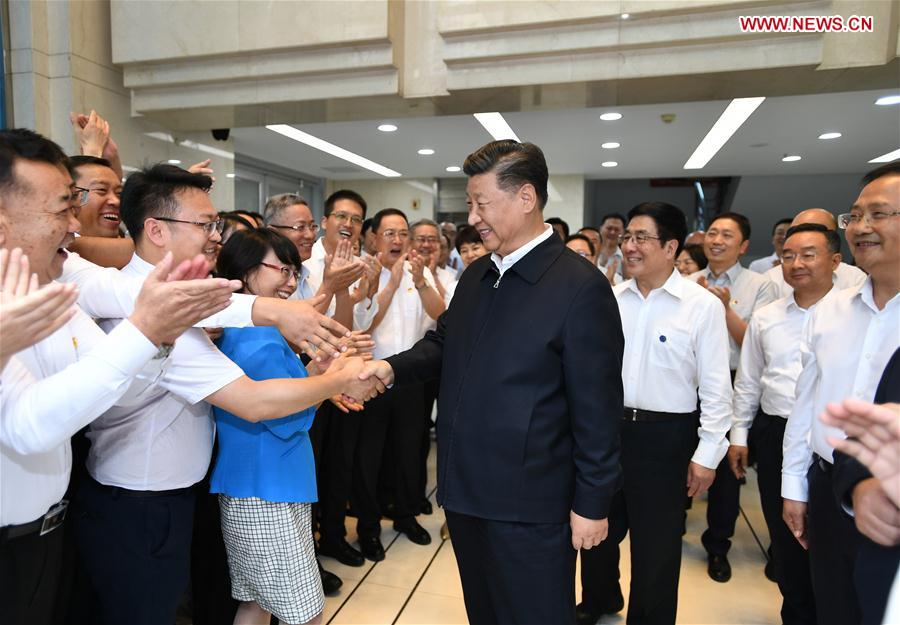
[41,216]
[427,242]
[344,222]
[186,240]
[875,244]
[393,239]
[724,243]
[100,216]
[298,215]
[499,216]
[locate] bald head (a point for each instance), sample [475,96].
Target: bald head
[815,216]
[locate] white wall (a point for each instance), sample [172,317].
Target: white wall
[569,206]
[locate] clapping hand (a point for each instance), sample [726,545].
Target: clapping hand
[202,168]
[342,268]
[417,268]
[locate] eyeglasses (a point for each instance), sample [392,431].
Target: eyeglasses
[789,257]
[356,220]
[301,228]
[286,272]
[854,218]
[640,238]
[80,196]
[423,239]
[582,253]
[208,226]
[390,234]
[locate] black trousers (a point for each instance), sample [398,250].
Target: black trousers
[391,425]
[429,396]
[650,506]
[833,546]
[514,572]
[335,471]
[136,552]
[722,508]
[29,577]
[790,559]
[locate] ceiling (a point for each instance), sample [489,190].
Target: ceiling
[649,148]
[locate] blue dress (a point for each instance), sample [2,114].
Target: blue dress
[271,460]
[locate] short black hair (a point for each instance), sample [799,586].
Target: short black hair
[786,220]
[581,237]
[387,212]
[515,164]
[618,216]
[246,249]
[81,160]
[21,143]
[344,194]
[671,224]
[888,169]
[742,222]
[832,237]
[556,221]
[151,192]
[367,225]
[467,235]
[695,251]
[591,228]
[234,222]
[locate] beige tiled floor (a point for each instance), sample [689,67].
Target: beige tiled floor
[420,585]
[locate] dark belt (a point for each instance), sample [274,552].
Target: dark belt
[824,466]
[43,525]
[636,414]
[117,491]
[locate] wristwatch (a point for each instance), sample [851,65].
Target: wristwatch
[164,350]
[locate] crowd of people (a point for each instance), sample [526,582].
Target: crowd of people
[196,399]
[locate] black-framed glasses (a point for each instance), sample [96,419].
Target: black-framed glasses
[208,226]
[639,237]
[356,220]
[874,217]
[301,228]
[80,196]
[286,272]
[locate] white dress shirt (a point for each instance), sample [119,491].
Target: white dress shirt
[164,440]
[603,261]
[844,277]
[448,280]
[107,293]
[405,321]
[503,264]
[770,364]
[750,291]
[675,342]
[847,346]
[762,265]
[50,391]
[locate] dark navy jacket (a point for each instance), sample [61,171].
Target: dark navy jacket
[530,389]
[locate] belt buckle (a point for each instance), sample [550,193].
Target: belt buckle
[634,412]
[54,517]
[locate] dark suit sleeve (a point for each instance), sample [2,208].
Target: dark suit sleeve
[592,366]
[421,362]
[848,471]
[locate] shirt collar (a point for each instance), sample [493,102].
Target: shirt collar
[732,272]
[867,295]
[503,264]
[674,285]
[318,250]
[138,265]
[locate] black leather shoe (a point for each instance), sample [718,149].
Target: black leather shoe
[372,548]
[330,582]
[719,568]
[770,570]
[583,616]
[415,532]
[426,507]
[341,551]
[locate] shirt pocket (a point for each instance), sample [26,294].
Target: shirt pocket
[670,348]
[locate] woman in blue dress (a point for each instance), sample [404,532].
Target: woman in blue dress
[264,472]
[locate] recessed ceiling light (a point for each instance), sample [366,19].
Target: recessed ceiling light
[732,118]
[174,161]
[609,164]
[625,16]
[610,117]
[496,126]
[610,145]
[830,135]
[329,148]
[791,159]
[887,158]
[426,151]
[454,168]
[387,128]
[888,100]
[230,175]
